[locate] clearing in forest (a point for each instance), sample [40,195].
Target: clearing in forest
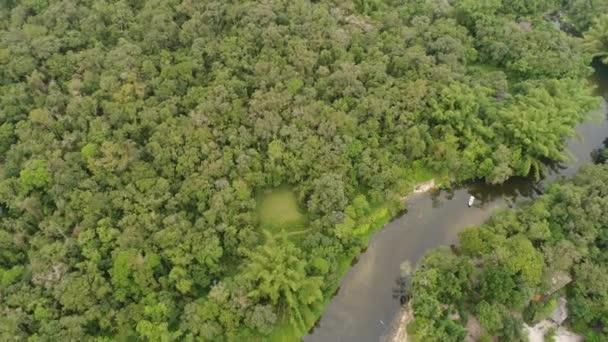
[279,210]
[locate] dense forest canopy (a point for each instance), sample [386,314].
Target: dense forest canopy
[508,268]
[136,137]
[590,17]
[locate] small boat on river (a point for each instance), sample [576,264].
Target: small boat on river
[471,201]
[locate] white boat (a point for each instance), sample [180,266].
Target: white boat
[471,201]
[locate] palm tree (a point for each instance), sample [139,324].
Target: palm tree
[278,274]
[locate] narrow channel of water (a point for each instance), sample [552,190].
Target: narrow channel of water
[365,306]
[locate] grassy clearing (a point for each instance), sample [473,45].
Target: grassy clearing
[279,210]
[418,174]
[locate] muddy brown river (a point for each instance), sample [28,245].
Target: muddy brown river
[365,305]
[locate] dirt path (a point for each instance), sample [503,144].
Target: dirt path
[304,231]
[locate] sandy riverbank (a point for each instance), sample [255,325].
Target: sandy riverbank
[398,327]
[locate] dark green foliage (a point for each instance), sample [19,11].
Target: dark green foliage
[512,330]
[136,137]
[511,272]
[582,13]
[589,18]
[600,155]
[497,285]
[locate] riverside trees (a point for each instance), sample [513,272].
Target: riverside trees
[136,136]
[590,19]
[510,265]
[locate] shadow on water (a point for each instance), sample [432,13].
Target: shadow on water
[600,79]
[518,188]
[514,189]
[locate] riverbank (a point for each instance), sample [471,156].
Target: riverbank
[537,333]
[398,329]
[366,297]
[365,300]
[423,182]
[420,188]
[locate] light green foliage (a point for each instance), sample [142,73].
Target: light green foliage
[154,327]
[359,220]
[133,273]
[35,175]
[596,39]
[137,138]
[538,311]
[511,265]
[7,277]
[276,273]
[490,316]
[550,335]
[89,150]
[520,257]
[320,265]
[279,210]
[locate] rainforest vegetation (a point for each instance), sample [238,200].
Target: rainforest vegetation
[510,268]
[590,17]
[146,147]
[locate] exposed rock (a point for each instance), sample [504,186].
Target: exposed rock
[52,276]
[424,187]
[473,329]
[537,333]
[455,316]
[564,335]
[525,25]
[398,329]
[558,281]
[561,312]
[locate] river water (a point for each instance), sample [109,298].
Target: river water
[365,305]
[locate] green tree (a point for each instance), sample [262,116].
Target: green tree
[35,175]
[275,273]
[596,39]
[490,317]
